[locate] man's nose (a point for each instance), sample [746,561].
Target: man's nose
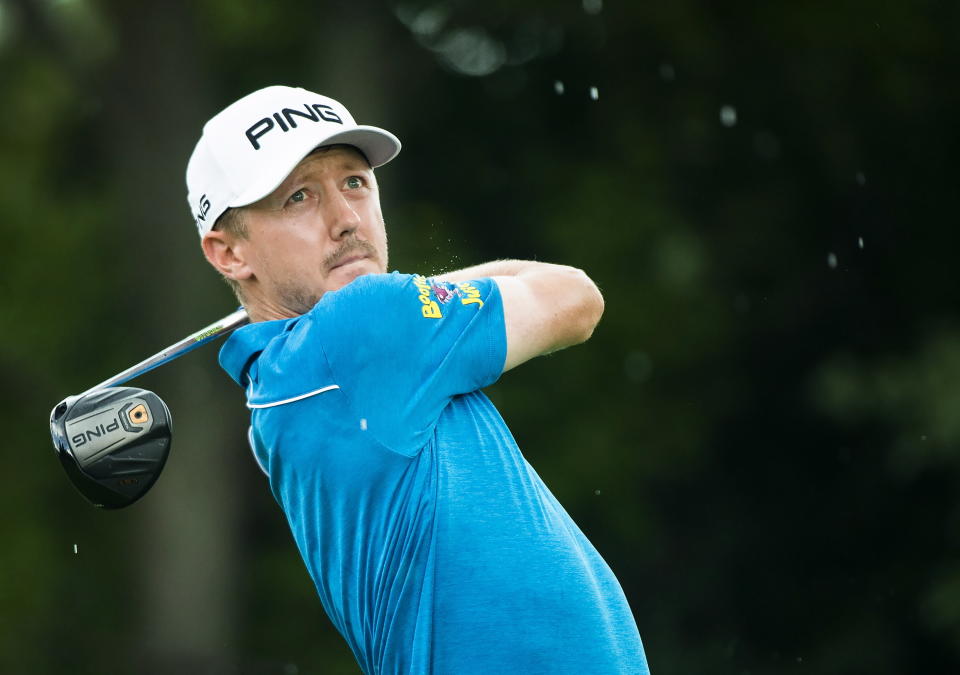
[343,217]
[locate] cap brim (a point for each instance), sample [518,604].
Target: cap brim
[378,145]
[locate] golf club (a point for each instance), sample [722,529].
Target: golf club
[113,441]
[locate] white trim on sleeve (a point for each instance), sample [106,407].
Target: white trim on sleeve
[291,400]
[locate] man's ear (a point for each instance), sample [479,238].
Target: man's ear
[227,253]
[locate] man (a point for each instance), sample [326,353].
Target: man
[433,544]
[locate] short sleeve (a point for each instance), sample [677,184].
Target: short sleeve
[402,346]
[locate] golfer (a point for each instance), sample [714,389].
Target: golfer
[434,546]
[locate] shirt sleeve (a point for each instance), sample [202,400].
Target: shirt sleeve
[402,346]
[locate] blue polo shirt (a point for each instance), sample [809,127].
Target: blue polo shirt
[434,545]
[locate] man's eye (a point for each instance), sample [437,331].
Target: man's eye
[354,182]
[298,196]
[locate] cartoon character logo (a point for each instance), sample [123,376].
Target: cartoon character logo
[442,293]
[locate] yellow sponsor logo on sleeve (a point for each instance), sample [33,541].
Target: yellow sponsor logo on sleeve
[430,309]
[470,294]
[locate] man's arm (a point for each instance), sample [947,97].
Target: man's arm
[546,307]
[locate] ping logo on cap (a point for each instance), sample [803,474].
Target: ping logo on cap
[285,120]
[204,209]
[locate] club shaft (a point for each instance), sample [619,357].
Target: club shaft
[215,330]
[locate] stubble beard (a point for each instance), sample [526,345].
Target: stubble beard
[297,297]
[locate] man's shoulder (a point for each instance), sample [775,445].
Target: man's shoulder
[375,293]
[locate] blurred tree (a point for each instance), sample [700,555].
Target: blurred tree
[188,539]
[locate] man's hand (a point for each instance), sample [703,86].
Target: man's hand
[546,307]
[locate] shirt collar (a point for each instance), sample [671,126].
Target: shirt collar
[245,345]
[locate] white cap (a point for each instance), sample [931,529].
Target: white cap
[252,145]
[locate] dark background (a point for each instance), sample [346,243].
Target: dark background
[763,436]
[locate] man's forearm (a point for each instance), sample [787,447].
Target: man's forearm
[494,268]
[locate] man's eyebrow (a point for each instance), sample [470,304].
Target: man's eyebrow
[346,164]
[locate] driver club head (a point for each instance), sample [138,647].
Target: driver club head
[112,442]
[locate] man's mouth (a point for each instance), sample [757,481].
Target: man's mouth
[346,260]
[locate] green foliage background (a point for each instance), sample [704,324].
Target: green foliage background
[762,437]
